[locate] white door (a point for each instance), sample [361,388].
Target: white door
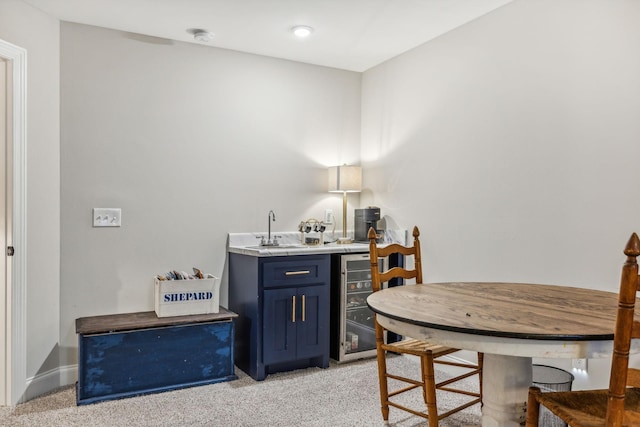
[13,226]
[3,232]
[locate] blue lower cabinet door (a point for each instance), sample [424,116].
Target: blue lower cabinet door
[279,330]
[312,333]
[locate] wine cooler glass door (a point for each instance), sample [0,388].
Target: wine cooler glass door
[358,337]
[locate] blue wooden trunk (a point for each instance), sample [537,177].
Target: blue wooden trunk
[154,355]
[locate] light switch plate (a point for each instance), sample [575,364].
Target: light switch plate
[107,217]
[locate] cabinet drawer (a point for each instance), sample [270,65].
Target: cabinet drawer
[294,272]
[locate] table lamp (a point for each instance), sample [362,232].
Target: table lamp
[345,179]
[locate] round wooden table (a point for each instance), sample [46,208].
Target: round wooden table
[510,323]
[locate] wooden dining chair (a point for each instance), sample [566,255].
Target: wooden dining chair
[428,353]
[620,404]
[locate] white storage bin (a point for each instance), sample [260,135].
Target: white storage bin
[184,297]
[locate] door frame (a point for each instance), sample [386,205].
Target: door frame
[15,369]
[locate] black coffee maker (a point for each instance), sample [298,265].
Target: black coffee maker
[365,219]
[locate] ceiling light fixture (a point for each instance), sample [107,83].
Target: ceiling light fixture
[302,31]
[203,35]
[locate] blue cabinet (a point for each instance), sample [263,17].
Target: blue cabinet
[283,308]
[138,353]
[294,317]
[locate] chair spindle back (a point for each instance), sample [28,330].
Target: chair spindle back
[378,278]
[626,329]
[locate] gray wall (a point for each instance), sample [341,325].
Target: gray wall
[192,143]
[27,27]
[513,143]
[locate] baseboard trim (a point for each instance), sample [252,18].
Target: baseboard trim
[459,359]
[49,381]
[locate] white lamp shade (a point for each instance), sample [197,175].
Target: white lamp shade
[345,179]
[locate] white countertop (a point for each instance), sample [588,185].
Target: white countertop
[290,244]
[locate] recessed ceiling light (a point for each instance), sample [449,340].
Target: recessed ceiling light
[203,35]
[302,31]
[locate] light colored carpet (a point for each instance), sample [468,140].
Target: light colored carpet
[342,395]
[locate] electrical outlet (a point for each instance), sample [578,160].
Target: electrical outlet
[107,217]
[328,216]
[579,364]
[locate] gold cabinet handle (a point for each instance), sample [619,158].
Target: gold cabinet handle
[304,308]
[293,309]
[296,273]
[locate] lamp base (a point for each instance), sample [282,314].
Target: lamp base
[344,241]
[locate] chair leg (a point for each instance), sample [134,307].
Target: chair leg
[429,388]
[382,373]
[480,373]
[533,407]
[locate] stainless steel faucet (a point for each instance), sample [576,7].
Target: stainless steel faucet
[269,242]
[271,215]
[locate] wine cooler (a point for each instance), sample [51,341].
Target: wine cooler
[352,321]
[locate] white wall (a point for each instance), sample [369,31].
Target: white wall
[28,28]
[513,143]
[192,142]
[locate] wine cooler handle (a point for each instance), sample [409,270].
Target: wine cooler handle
[304,308]
[293,309]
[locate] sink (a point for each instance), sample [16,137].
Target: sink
[283,246]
